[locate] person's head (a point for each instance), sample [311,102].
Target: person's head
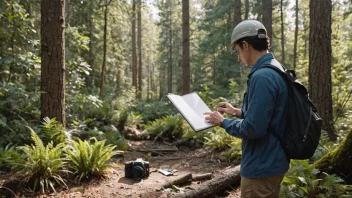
[249,41]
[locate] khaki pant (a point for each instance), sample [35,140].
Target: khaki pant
[268,187]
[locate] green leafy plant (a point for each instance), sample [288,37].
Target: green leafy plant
[134,119]
[166,127]
[90,159]
[304,181]
[52,130]
[40,166]
[219,140]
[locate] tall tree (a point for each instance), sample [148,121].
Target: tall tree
[296,38]
[282,32]
[139,92]
[320,61]
[237,12]
[134,50]
[90,58]
[103,68]
[267,17]
[185,47]
[53,68]
[170,71]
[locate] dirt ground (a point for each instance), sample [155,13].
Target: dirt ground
[160,155]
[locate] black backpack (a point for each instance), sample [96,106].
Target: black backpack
[303,128]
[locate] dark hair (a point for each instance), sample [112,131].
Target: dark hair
[259,44]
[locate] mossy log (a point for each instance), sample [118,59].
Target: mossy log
[338,161]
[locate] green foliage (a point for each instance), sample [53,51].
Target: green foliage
[219,140]
[304,181]
[134,119]
[169,127]
[89,159]
[152,110]
[18,107]
[7,155]
[52,131]
[40,166]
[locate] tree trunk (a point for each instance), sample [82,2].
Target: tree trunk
[139,92]
[52,82]
[246,9]
[103,68]
[338,161]
[320,62]
[185,47]
[296,39]
[282,33]
[214,186]
[267,18]
[237,16]
[169,89]
[90,79]
[134,50]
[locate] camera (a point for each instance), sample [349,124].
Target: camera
[137,169]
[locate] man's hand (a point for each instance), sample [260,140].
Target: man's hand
[225,107]
[214,117]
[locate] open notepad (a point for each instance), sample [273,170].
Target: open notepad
[192,107]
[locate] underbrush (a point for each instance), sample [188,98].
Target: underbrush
[41,166]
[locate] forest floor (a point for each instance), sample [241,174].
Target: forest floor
[183,159]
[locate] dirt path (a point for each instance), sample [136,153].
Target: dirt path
[184,160]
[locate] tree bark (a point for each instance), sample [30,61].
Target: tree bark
[320,62]
[185,47]
[103,68]
[282,33]
[170,51]
[202,177]
[139,92]
[237,16]
[90,78]
[52,82]
[267,18]
[296,38]
[338,161]
[214,186]
[134,50]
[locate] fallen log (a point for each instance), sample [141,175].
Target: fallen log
[214,186]
[175,181]
[202,177]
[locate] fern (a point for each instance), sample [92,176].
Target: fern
[52,130]
[166,127]
[40,166]
[90,159]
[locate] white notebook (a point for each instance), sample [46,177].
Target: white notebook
[192,107]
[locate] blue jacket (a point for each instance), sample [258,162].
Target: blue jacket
[264,105]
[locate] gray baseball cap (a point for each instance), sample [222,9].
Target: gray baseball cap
[248,28]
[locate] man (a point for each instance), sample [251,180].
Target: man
[263,162]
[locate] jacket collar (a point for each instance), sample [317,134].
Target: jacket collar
[260,62]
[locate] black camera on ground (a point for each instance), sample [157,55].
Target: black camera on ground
[137,170]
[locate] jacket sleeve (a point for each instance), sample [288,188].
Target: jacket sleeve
[261,102]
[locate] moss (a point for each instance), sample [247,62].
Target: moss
[338,161]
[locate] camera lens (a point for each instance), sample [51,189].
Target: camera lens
[138,173]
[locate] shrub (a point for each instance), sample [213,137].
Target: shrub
[89,159]
[39,165]
[304,181]
[169,127]
[52,130]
